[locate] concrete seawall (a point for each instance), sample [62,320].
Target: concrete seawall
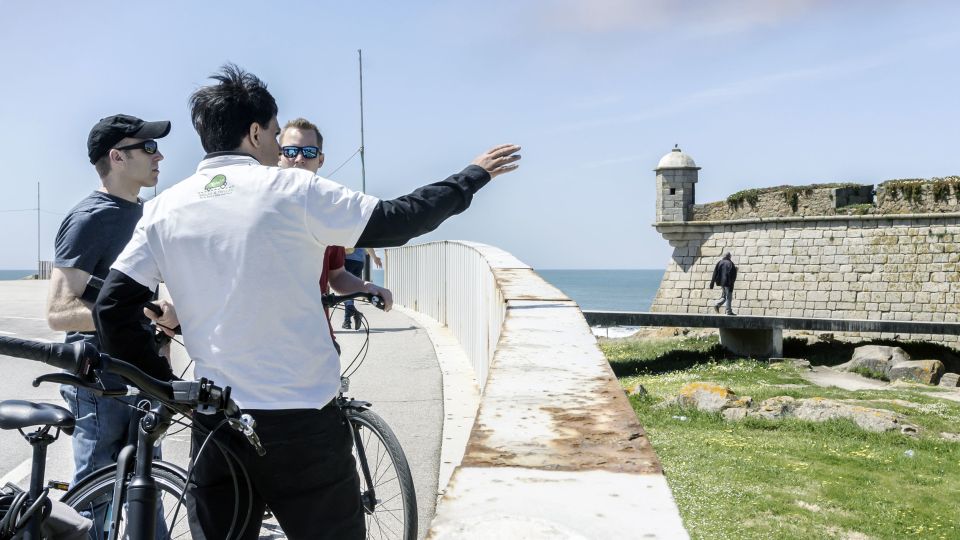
[556,450]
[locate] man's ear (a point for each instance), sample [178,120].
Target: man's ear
[116,156]
[255,132]
[321,160]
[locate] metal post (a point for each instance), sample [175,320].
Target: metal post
[363,163]
[39,270]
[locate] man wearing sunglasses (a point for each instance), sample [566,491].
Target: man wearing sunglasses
[123,150]
[238,244]
[301,146]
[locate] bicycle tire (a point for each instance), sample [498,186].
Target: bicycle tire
[394,514]
[96,490]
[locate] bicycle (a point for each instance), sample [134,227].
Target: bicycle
[387,491]
[386,485]
[132,486]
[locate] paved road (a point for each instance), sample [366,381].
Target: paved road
[400,377]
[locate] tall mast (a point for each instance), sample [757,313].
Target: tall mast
[363,163]
[38,231]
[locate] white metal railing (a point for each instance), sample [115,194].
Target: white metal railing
[44,268]
[453,283]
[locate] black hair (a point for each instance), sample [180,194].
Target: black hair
[222,113]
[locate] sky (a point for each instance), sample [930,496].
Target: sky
[758,92]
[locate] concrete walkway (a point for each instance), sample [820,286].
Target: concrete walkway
[400,377]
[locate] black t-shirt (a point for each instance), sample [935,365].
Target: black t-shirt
[91,237]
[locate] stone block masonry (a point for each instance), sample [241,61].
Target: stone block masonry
[902,267]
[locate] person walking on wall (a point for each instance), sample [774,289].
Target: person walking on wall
[724,275]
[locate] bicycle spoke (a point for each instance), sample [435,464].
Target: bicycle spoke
[379,522]
[392,514]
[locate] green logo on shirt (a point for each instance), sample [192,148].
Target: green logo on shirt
[218,181]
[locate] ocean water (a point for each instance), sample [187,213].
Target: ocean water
[607,290]
[599,290]
[16,274]
[613,290]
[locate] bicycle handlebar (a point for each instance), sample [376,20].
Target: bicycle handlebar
[66,356]
[331,300]
[81,358]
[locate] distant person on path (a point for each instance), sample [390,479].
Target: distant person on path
[354,263]
[123,150]
[301,146]
[724,275]
[239,244]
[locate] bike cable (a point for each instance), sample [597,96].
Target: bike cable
[178,342]
[361,355]
[229,459]
[11,506]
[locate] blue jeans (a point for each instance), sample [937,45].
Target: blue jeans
[726,298]
[103,428]
[355,268]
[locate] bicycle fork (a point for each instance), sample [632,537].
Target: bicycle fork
[368,497]
[141,499]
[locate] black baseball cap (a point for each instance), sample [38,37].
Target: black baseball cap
[112,129]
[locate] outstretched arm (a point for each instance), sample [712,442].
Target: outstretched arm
[395,222]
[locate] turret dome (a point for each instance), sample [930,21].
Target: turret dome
[676,159]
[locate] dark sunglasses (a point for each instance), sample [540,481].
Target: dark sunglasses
[149,146]
[309,152]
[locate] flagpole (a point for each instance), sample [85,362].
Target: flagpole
[363,166]
[39,276]
[363,163]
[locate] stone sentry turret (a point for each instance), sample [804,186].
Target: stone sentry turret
[676,183]
[826,251]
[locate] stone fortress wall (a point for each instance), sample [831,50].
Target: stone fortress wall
[829,251]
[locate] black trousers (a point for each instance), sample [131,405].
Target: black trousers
[308,477]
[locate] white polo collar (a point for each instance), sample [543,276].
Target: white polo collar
[222,159]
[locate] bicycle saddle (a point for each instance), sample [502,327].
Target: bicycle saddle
[16,414]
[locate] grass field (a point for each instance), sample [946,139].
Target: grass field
[792,479]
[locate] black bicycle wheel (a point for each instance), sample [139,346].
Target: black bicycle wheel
[93,496]
[389,499]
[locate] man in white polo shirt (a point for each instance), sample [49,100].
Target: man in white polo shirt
[237,244]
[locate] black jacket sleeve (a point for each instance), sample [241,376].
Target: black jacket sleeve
[122,327]
[395,222]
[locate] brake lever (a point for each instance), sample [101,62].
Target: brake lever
[245,425]
[73,380]
[61,378]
